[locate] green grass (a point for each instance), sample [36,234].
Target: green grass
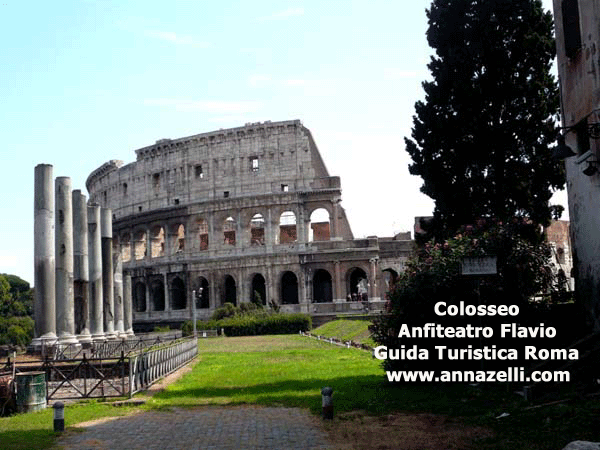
[347,330]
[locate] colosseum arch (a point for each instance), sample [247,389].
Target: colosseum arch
[288,232]
[139,296]
[257,230]
[259,286]
[140,245]
[178,240]
[178,294]
[320,228]
[126,247]
[289,288]
[322,287]
[203,234]
[157,241]
[157,293]
[229,290]
[390,276]
[229,226]
[202,293]
[357,283]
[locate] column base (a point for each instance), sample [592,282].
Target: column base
[46,340]
[98,338]
[85,338]
[111,335]
[67,339]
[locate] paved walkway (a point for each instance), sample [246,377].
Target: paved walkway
[211,427]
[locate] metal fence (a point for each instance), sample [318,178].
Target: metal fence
[111,376]
[148,366]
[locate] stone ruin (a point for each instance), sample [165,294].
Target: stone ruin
[79,296]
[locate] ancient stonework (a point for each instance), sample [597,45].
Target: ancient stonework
[237,215]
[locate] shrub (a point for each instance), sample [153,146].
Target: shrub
[188,327]
[251,325]
[227,310]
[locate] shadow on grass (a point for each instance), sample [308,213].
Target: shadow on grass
[27,439]
[372,394]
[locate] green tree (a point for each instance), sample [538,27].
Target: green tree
[480,139]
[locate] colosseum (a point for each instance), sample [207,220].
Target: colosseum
[239,215]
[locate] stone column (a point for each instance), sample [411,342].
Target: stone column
[337,290]
[118,288]
[65,314]
[127,305]
[95,267]
[44,264]
[108,309]
[81,267]
[334,231]
[167,290]
[373,291]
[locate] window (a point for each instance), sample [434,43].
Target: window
[198,171]
[226,194]
[156,180]
[124,188]
[254,163]
[285,188]
[176,201]
[571,31]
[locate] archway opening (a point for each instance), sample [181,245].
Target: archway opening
[178,295]
[139,296]
[126,247]
[202,294]
[319,225]
[229,231]
[322,287]
[179,238]
[158,295]
[259,290]
[203,234]
[157,242]
[139,247]
[358,285]
[289,289]
[287,228]
[230,291]
[257,230]
[390,276]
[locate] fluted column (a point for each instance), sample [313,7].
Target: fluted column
[118,287]
[65,314]
[44,264]
[127,305]
[81,274]
[108,309]
[95,266]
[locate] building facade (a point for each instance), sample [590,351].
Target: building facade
[577,25]
[239,215]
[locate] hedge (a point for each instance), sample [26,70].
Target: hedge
[248,325]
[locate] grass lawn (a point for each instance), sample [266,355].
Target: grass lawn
[288,371]
[347,330]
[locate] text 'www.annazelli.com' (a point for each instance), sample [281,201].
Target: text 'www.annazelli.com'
[516,374]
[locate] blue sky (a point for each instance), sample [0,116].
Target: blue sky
[83,82]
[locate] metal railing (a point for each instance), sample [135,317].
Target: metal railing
[112,376]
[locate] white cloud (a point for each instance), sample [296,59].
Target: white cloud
[290,12]
[215,107]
